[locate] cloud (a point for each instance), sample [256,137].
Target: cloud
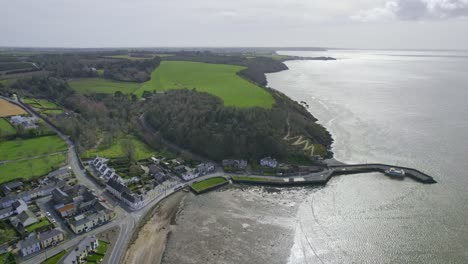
[414,10]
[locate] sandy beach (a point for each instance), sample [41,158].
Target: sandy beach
[150,242]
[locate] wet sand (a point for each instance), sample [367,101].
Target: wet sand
[235,225]
[150,242]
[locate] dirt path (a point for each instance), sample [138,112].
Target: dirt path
[150,243]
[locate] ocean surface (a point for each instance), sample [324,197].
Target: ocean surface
[397,107]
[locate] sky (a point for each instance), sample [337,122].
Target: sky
[379,24]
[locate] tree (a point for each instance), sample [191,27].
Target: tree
[129,150]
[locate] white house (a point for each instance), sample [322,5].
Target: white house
[29,245]
[269,162]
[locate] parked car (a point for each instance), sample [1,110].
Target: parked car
[48,214]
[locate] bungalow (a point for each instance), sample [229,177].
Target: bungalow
[50,238]
[86,246]
[269,162]
[27,122]
[29,245]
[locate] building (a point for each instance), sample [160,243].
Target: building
[66,210]
[7,212]
[79,254]
[50,237]
[89,220]
[116,188]
[205,168]
[11,187]
[269,162]
[24,219]
[104,171]
[28,122]
[236,164]
[29,245]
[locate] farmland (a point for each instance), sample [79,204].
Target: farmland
[9,109]
[116,150]
[217,79]
[18,149]
[27,169]
[5,128]
[100,85]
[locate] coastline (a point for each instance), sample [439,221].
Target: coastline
[150,239]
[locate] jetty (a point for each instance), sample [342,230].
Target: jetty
[322,177]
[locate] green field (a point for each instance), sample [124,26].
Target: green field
[7,82]
[52,111]
[18,149]
[27,169]
[40,103]
[55,259]
[5,128]
[115,151]
[209,183]
[217,79]
[100,85]
[42,222]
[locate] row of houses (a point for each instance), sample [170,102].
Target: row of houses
[29,195]
[106,172]
[123,193]
[80,208]
[34,243]
[86,246]
[198,171]
[235,164]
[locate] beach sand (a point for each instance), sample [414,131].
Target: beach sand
[150,242]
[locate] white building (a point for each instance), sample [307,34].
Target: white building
[269,162]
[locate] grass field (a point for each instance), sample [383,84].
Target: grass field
[9,109]
[7,82]
[17,149]
[209,183]
[100,85]
[115,151]
[217,79]
[55,259]
[6,129]
[28,169]
[42,222]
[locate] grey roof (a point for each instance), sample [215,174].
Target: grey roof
[6,210]
[11,185]
[32,240]
[129,197]
[25,215]
[79,249]
[116,185]
[49,234]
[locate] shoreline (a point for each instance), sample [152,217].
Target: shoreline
[148,242]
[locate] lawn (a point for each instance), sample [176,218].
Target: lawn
[217,79]
[55,259]
[27,169]
[100,85]
[6,129]
[52,111]
[17,149]
[42,222]
[209,183]
[100,252]
[143,151]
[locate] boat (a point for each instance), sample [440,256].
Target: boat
[394,172]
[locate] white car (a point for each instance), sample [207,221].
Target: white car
[53,220]
[48,214]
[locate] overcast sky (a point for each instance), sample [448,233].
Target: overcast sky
[432,24]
